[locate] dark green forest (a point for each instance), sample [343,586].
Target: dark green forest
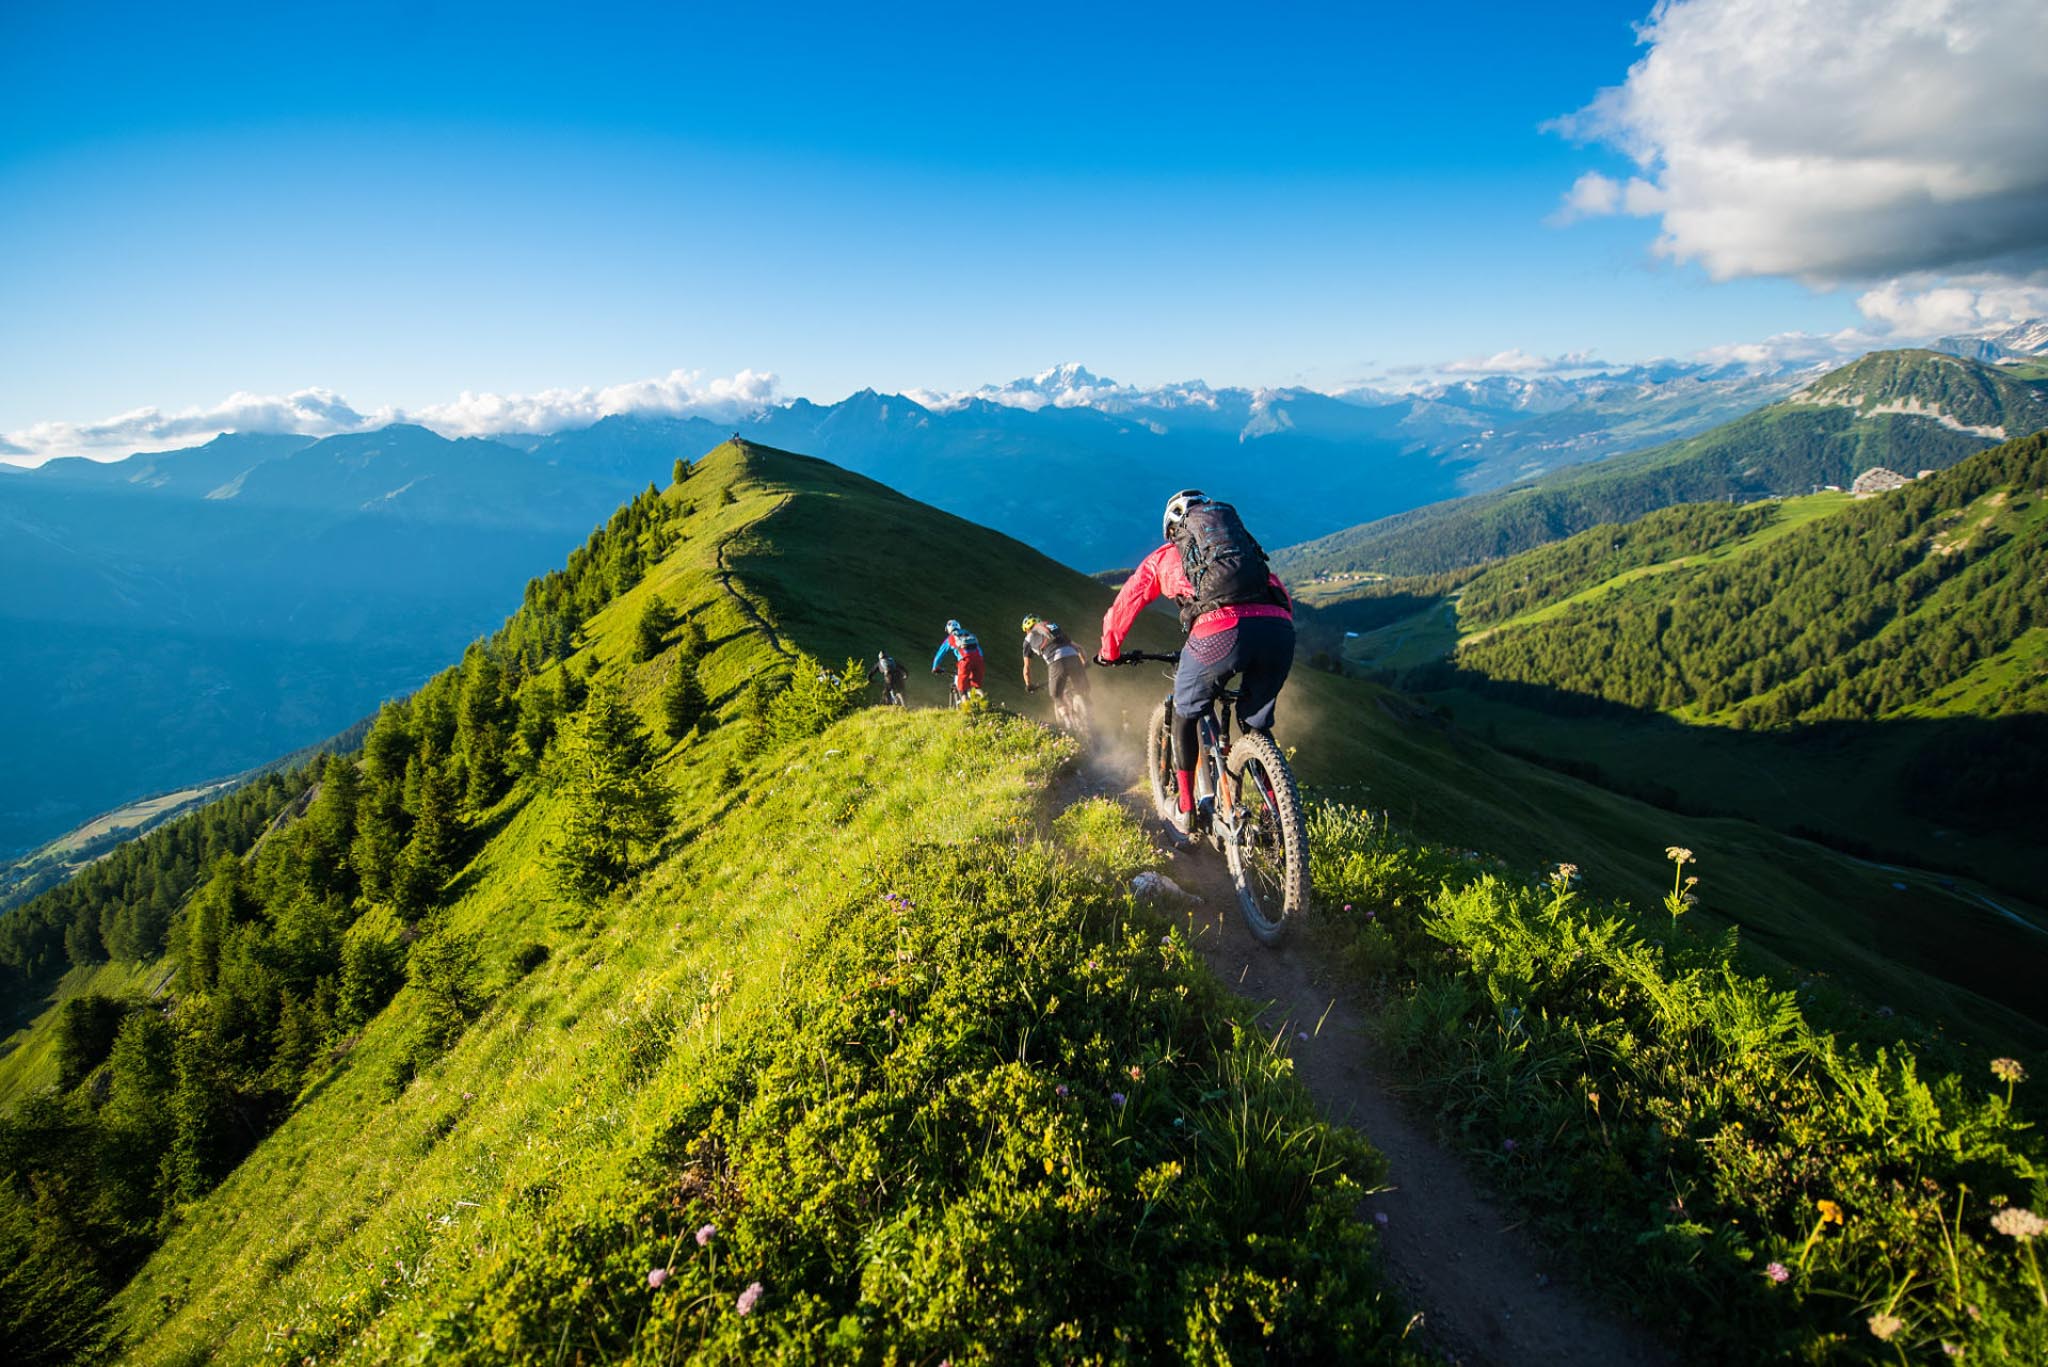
[1861,616]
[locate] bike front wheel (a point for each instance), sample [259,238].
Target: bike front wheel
[1266,839]
[1159,765]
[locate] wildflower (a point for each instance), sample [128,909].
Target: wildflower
[1508,1146]
[1116,1098]
[1567,871]
[2016,1222]
[1678,854]
[1778,1273]
[1884,1324]
[657,1277]
[1830,1213]
[1060,1091]
[1137,1073]
[1347,906]
[1953,1350]
[1301,1035]
[1379,1217]
[2008,1070]
[749,1298]
[706,1234]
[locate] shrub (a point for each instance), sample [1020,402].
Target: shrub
[1677,1123]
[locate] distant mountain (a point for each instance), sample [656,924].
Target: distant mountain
[181,616]
[178,616]
[2014,343]
[1907,410]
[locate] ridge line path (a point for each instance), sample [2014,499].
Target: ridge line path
[724,577]
[1488,1293]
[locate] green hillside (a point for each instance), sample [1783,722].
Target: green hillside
[1867,672]
[860,1050]
[1903,410]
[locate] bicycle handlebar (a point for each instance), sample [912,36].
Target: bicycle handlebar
[1136,657]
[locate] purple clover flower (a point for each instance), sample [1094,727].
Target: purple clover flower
[1778,1273]
[749,1298]
[657,1277]
[705,1234]
[1116,1098]
[1508,1146]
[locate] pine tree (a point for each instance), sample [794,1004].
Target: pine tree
[657,619]
[429,857]
[202,1114]
[693,637]
[615,798]
[540,705]
[683,705]
[681,472]
[213,911]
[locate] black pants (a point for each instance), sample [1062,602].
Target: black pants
[1261,649]
[1066,674]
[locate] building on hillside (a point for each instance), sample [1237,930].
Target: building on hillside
[1878,480]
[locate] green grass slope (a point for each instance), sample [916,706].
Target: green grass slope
[893,1038]
[1905,410]
[877,1060]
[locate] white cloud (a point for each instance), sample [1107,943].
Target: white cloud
[1926,307]
[1793,349]
[680,393]
[1516,361]
[1833,140]
[322,413]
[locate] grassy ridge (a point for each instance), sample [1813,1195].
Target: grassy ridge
[733,1043]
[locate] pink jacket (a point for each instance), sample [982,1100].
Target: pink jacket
[1162,573]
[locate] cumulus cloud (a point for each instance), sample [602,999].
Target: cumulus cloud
[1833,141]
[1516,361]
[1929,307]
[680,393]
[1792,349]
[322,413]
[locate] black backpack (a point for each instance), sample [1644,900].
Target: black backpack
[1224,562]
[1045,638]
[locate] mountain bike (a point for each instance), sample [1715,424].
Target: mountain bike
[1246,802]
[1070,712]
[892,696]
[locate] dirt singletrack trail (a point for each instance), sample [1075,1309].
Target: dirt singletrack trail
[1487,1292]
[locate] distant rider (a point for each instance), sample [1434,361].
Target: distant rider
[1064,665]
[1234,611]
[965,648]
[893,676]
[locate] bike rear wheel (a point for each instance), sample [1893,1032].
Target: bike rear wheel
[1075,710]
[1266,839]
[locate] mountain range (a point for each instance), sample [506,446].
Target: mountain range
[180,616]
[177,617]
[1904,410]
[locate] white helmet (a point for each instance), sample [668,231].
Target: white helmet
[1177,508]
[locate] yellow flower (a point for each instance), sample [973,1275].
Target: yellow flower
[1679,853]
[1830,1213]
[2008,1070]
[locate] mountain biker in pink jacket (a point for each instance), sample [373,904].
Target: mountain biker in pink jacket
[1235,612]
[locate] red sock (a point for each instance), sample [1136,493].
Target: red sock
[1184,779]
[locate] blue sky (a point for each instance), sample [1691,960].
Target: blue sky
[401,202]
